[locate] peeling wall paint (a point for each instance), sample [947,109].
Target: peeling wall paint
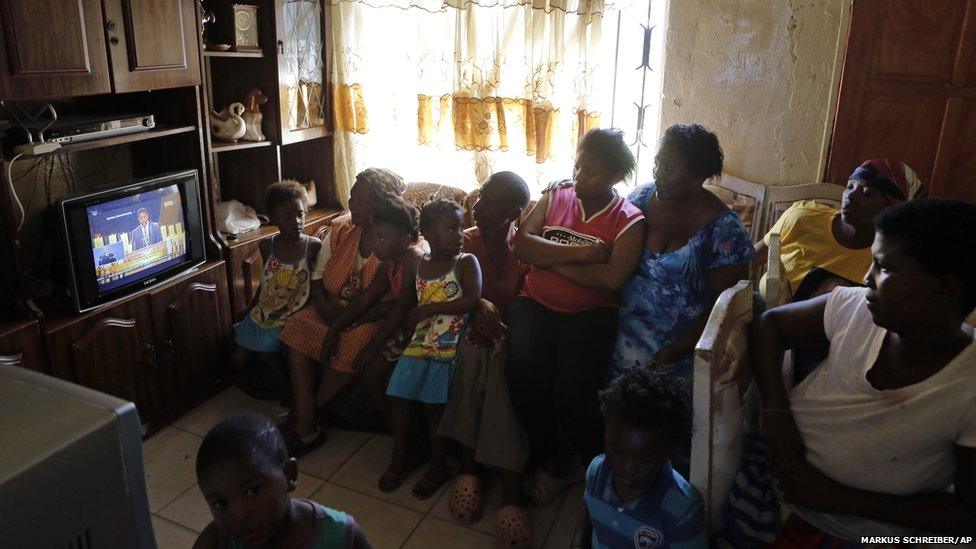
[763,75]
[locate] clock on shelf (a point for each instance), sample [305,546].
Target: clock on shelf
[246,28]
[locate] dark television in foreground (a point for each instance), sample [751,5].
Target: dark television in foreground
[132,237]
[71,473]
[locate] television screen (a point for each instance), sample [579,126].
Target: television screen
[133,236]
[136,236]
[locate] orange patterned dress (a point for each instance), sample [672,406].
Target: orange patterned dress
[305,330]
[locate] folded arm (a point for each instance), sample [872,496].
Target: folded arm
[532,248]
[613,274]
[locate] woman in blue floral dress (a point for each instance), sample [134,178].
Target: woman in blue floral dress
[695,248]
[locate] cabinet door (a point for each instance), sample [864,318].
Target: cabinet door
[192,321]
[52,48]
[300,25]
[245,277]
[21,345]
[112,352]
[153,44]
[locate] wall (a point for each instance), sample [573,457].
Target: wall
[763,75]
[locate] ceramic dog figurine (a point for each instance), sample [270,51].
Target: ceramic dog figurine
[252,115]
[227,125]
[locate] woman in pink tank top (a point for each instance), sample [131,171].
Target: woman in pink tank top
[583,243]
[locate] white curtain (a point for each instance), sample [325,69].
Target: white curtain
[450,92]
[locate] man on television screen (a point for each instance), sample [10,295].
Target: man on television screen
[146,233]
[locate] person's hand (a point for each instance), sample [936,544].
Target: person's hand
[785,450]
[329,346]
[596,253]
[805,485]
[365,357]
[561,184]
[486,325]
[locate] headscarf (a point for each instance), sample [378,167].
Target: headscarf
[383,182]
[892,178]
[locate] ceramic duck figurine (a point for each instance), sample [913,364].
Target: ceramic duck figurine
[252,115]
[227,125]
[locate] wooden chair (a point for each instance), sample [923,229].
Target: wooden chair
[777,285]
[744,198]
[724,399]
[779,198]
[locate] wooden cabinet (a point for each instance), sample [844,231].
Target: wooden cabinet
[245,277]
[164,350]
[52,48]
[113,351]
[21,345]
[192,327]
[153,44]
[58,48]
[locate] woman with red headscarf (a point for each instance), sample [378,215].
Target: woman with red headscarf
[823,247]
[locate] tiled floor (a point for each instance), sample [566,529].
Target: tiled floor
[341,474]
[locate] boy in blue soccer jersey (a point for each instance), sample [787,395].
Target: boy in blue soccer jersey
[633,497]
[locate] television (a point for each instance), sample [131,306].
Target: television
[71,472]
[132,237]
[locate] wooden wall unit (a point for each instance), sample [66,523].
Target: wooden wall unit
[908,91]
[297,146]
[164,348]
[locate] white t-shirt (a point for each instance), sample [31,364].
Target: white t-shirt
[895,442]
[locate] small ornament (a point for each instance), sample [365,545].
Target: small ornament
[252,115]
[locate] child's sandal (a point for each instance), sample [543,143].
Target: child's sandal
[514,528]
[466,499]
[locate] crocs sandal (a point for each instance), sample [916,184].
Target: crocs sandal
[543,487]
[465,503]
[298,445]
[514,528]
[431,482]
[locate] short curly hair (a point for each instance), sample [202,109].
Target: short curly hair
[435,209]
[283,191]
[650,399]
[697,146]
[246,436]
[932,231]
[398,214]
[608,144]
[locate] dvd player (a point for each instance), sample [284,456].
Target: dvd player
[77,128]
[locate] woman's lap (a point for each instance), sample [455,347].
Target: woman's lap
[305,332]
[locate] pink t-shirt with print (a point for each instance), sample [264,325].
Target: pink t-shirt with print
[565,223]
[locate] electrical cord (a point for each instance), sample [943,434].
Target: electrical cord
[13,191]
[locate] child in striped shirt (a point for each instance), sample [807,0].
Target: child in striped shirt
[633,497]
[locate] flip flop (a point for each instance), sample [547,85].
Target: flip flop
[298,445]
[514,528]
[466,499]
[430,483]
[391,481]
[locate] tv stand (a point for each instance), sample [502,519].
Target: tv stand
[164,348]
